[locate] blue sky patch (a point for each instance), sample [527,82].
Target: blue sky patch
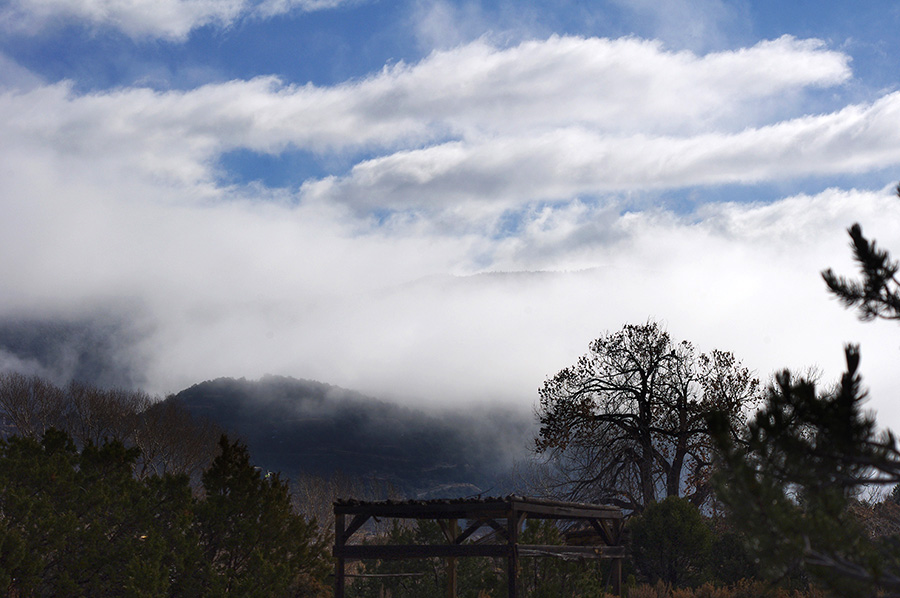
[288,169]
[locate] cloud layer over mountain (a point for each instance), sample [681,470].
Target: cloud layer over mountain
[471,218]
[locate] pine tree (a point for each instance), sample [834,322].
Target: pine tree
[77,523]
[254,544]
[790,481]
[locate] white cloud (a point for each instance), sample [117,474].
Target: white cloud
[615,85]
[110,202]
[167,19]
[574,161]
[572,99]
[746,280]
[441,24]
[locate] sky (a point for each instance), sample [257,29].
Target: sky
[443,203]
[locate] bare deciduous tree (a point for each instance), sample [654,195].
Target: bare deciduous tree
[96,415]
[171,440]
[30,405]
[626,424]
[174,441]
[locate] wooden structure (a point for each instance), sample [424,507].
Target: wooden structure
[503,516]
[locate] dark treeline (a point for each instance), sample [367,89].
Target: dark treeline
[113,493]
[78,522]
[169,438]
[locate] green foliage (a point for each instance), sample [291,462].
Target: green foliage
[741,589]
[253,542]
[790,482]
[78,523]
[670,541]
[170,439]
[877,295]
[730,560]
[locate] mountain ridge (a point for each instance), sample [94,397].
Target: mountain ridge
[306,427]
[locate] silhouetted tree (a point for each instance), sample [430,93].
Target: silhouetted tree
[96,414]
[314,497]
[170,439]
[174,441]
[792,480]
[788,484]
[626,424]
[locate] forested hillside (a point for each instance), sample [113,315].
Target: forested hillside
[302,427]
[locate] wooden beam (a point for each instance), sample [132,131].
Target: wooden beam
[445,529]
[470,529]
[602,531]
[356,552]
[357,522]
[384,575]
[498,528]
[550,511]
[571,552]
[564,510]
[606,521]
[617,588]
[478,508]
[425,510]
[617,526]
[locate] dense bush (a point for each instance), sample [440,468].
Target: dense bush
[79,523]
[730,561]
[670,541]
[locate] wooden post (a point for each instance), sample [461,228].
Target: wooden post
[339,561]
[617,563]
[617,577]
[512,557]
[452,533]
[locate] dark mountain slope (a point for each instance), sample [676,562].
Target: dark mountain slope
[304,427]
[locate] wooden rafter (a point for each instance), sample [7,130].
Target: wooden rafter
[512,511]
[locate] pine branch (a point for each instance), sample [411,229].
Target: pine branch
[877,294]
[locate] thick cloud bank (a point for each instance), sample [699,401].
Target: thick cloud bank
[494,209]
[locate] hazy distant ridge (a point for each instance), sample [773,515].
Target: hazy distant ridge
[308,427]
